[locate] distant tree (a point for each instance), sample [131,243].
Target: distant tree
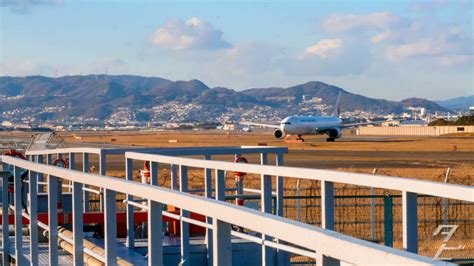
[461,121]
[439,122]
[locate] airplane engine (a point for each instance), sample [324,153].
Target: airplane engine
[278,134]
[334,133]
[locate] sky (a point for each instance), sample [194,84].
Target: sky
[382,49]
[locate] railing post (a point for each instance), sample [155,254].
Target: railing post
[279,186]
[282,258]
[222,254]
[222,246]
[327,218]
[327,205]
[155,234]
[53,219]
[220,185]
[85,169]
[208,194]
[102,171]
[72,165]
[183,186]
[39,159]
[110,229]
[130,243]
[266,202]
[78,236]
[410,221]
[18,215]
[388,221]
[33,210]
[5,220]
[154,173]
[174,177]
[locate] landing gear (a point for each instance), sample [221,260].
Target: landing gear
[330,139]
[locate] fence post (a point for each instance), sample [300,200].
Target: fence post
[208,194]
[445,200]
[410,221]
[372,210]
[388,220]
[183,186]
[33,208]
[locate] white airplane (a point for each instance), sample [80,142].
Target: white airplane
[311,125]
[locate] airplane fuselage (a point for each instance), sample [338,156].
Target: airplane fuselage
[309,125]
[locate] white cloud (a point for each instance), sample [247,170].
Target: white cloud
[383,36]
[419,48]
[348,22]
[450,60]
[24,68]
[193,34]
[325,48]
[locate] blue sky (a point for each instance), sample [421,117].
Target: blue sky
[384,49]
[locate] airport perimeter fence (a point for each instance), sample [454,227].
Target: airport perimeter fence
[376,215]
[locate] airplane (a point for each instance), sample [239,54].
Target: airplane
[311,125]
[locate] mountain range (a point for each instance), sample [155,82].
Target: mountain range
[459,103]
[100,95]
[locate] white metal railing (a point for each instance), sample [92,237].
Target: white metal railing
[410,188]
[324,245]
[46,156]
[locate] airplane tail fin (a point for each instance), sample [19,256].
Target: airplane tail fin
[337,106]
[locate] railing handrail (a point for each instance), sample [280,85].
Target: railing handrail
[452,191]
[166,150]
[326,242]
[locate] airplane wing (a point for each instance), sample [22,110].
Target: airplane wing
[259,125]
[363,124]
